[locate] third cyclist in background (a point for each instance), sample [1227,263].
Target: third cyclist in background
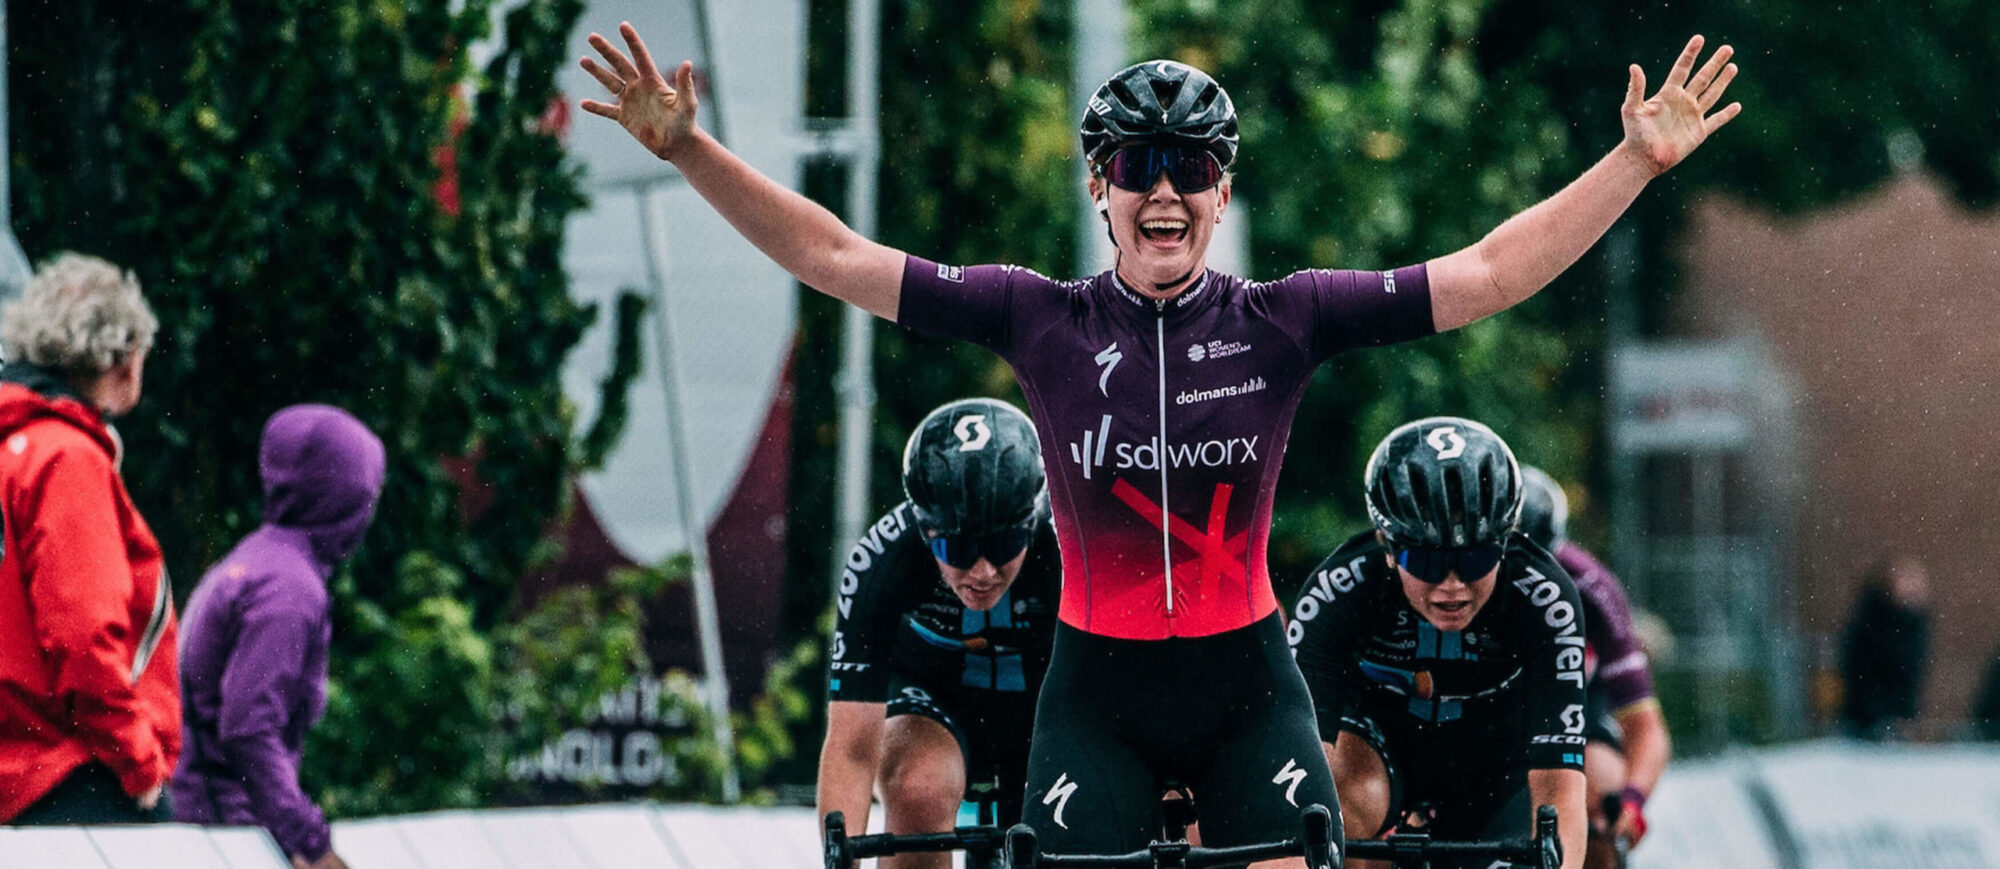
[1444,651]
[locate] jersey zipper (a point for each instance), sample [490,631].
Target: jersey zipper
[1166,515]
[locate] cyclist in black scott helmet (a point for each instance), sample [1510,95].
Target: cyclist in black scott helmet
[1163,393]
[942,628]
[1444,650]
[1627,745]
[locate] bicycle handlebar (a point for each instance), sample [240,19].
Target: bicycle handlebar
[1019,846]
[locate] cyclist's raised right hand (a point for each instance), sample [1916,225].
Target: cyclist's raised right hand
[660,116]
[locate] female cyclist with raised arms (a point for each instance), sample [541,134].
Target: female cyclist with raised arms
[1162,394]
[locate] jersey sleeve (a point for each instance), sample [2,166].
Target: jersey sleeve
[1553,665]
[1329,311]
[866,612]
[993,306]
[1325,631]
[1623,672]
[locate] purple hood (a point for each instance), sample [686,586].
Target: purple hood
[322,474]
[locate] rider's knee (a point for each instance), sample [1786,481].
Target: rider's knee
[912,787]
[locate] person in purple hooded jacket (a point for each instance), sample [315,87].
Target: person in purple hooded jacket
[254,643]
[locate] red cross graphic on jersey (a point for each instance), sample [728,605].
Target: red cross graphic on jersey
[1215,556]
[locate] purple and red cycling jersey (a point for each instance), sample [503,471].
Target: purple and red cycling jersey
[1613,661]
[1163,423]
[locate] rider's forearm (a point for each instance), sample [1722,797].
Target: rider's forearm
[1564,789]
[795,232]
[1521,256]
[847,787]
[1647,746]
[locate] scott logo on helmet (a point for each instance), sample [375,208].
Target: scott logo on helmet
[1446,441]
[972,433]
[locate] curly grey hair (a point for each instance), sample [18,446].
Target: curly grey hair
[80,315]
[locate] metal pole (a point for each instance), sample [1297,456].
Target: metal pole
[1097,49]
[715,681]
[14,268]
[1717,657]
[856,382]
[705,43]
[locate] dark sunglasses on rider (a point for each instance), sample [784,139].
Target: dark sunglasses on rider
[1434,565]
[998,547]
[1135,168]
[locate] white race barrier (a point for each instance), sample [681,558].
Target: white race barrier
[634,835]
[1702,817]
[1828,805]
[152,846]
[1854,805]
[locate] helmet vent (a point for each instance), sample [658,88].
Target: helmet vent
[1164,93]
[1455,500]
[1125,95]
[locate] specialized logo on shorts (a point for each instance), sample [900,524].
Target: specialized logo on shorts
[1446,441]
[1107,357]
[954,274]
[972,433]
[1290,776]
[1058,796]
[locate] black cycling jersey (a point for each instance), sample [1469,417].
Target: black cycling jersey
[1514,675]
[895,619]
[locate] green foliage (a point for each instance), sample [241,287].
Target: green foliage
[269,170]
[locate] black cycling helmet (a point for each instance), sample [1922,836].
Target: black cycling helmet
[1443,482]
[974,467]
[1544,509]
[1159,102]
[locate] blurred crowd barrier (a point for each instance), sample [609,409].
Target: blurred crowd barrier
[1829,805]
[1823,805]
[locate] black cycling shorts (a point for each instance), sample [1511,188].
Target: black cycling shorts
[992,731]
[1459,785]
[1225,715]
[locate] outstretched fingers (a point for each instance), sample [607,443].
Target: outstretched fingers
[640,55]
[1635,89]
[619,63]
[1713,94]
[594,107]
[1678,76]
[604,77]
[1710,70]
[1715,121]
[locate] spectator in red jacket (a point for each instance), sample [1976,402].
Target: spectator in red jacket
[89,708]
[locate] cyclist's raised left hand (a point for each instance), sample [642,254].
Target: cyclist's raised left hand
[659,115]
[1663,129]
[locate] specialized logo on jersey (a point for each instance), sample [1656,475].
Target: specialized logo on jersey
[1058,796]
[972,433]
[1290,777]
[1126,455]
[839,646]
[1560,615]
[1446,441]
[1107,357]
